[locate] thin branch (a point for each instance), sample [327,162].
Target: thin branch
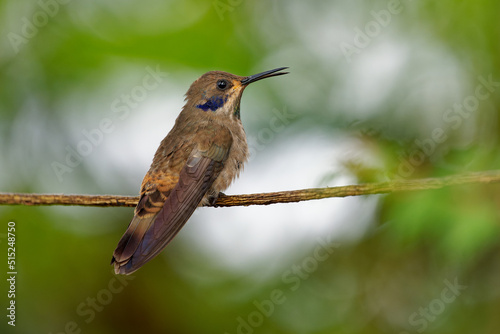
[265,198]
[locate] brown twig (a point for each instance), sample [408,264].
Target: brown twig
[265,198]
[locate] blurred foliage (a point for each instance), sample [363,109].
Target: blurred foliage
[386,100]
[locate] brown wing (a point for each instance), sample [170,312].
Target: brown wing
[150,232]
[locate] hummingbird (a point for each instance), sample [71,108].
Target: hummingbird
[199,158]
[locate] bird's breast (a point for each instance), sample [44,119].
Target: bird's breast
[238,155]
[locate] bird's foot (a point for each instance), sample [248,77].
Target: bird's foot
[212,200]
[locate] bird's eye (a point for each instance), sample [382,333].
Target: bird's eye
[222,84]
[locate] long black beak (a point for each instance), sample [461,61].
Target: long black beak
[263,75]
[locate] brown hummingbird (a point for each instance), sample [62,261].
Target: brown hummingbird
[200,157]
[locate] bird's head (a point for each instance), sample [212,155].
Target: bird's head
[220,92]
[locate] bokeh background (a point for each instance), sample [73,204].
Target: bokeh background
[377,90]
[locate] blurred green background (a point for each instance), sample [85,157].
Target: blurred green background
[377,90]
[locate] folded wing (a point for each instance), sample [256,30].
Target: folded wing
[163,216]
